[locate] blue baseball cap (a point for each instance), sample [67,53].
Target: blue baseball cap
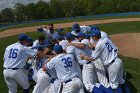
[59,30]
[22,37]
[75,27]
[30,40]
[57,36]
[80,34]
[58,48]
[69,35]
[87,36]
[94,28]
[95,33]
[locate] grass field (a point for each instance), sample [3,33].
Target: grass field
[67,20]
[132,65]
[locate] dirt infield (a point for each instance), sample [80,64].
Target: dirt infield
[128,43]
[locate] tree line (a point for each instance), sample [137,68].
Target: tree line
[66,8]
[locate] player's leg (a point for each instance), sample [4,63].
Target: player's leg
[124,85]
[115,75]
[11,83]
[43,81]
[73,86]
[22,80]
[101,74]
[78,69]
[87,73]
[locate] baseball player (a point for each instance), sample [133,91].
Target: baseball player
[64,65]
[90,70]
[44,79]
[15,57]
[105,50]
[76,28]
[47,30]
[38,42]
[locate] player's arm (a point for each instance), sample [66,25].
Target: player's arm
[78,45]
[83,57]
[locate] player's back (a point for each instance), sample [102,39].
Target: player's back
[15,56]
[107,50]
[65,67]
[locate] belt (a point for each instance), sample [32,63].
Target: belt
[12,68]
[115,50]
[88,62]
[111,62]
[48,74]
[67,81]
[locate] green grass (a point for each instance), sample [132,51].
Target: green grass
[65,21]
[132,65]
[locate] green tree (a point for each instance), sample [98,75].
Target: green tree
[42,10]
[7,15]
[55,7]
[30,11]
[20,12]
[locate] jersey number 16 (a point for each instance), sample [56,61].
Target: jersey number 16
[13,53]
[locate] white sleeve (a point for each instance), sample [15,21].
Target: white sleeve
[64,44]
[51,64]
[96,52]
[30,52]
[85,41]
[85,29]
[70,49]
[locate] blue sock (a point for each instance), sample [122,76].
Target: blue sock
[96,90]
[125,87]
[118,90]
[25,90]
[106,90]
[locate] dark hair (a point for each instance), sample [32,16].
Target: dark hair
[50,24]
[41,38]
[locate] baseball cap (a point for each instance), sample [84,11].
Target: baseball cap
[95,33]
[87,36]
[58,48]
[80,34]
[22,37]
[69,35]
[75,27]
[59,30]
[30,40]
[95,28]
[57,36]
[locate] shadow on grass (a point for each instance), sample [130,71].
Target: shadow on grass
[131,86]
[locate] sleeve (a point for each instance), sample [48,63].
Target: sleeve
[85,29]
[30,52]
[64,44]
[85,41]
[96,52]
[70,49]
[51,64]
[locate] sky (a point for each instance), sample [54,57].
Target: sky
[11,3]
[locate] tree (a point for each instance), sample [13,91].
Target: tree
[7,15]
[42,10]
[55,7]
[30,11]
[20,12]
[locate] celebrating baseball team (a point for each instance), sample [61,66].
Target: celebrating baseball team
[84,60]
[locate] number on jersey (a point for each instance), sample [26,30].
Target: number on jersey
[109,47]
[67,61]
[13,53]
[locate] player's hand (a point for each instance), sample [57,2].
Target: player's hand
[69,44]
[82,56]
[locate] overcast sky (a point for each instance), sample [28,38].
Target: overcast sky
[11,3]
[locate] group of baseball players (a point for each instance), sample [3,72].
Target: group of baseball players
[84,60]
